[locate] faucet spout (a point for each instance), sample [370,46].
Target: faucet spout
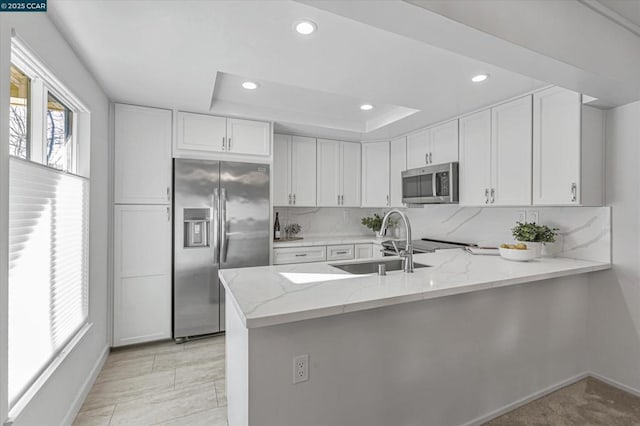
[407,253]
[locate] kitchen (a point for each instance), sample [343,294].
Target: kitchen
[194,125]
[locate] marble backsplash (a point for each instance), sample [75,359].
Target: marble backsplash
[585,232]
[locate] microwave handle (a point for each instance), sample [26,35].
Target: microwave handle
[433,184]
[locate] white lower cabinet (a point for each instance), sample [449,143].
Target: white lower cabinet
[340,252]
[286,255]
[142,274]
[363,251]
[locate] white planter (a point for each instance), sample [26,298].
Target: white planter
[535,246]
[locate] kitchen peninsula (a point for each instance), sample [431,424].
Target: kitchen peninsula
[453,343]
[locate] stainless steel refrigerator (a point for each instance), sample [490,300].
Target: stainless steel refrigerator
[221,220]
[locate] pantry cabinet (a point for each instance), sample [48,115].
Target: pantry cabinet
[294,171]
[338,173]
[142,274]
[375,174]
[495,155]
[435,145]
[567,149]
[142,155]
[201,135]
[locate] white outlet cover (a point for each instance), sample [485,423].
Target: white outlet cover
[521,216]
[301,368]
[533,216]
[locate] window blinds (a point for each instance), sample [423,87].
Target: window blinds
[48,267]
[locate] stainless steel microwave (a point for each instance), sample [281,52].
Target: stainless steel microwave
[437,184]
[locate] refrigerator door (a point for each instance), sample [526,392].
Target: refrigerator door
[244,217]
[196,296]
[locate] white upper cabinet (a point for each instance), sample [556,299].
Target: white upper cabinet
[338,173]
[567,149]
[248,137]
[281,170]
[397,164]
[475,158]
[436,145]
[375,174]
[201,132]
[511,153]
[443,143]
[202,135]
[495,155]
[142,169]
[294,171]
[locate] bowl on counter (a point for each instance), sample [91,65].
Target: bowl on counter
[519,255]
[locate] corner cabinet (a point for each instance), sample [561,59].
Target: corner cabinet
[294,171]
[142,274]
[568,150]
[202,134]
[375,174]
[142,155]
[338,173]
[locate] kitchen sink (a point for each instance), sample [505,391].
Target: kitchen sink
[371,267]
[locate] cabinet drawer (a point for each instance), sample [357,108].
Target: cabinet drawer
[341,252]
[283,256]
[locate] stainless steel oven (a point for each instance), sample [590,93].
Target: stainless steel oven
[431,184]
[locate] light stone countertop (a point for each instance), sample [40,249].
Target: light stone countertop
[269,295]
[331,240]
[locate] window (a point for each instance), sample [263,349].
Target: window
[19,113]
[48,226]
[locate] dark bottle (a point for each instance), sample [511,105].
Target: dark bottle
[276,228]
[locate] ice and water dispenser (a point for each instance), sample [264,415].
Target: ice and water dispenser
[196,227]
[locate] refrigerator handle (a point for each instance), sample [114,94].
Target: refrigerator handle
[223,225]
[215,223]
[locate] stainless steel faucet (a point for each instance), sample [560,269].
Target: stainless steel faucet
[407,253]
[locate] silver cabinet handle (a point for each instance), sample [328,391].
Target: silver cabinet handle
[168,214]
[338,200]
[223,225]
[215,224]
[289,198]
[301,254]
[431,158]
[388,203]
[294,199]
[342,252]
[426,158]
[486,195]
[168,193]
[223,144]
[493,195]
[574,192]
[342,200]
[228,144]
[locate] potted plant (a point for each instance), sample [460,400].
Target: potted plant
[534,235]
[374,223]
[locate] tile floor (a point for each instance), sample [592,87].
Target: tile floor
[160,384]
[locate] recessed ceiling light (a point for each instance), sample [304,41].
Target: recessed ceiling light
[250,85]
[306,27]
[366,107]
[479,78]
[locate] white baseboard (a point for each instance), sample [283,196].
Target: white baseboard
[74,409]
[615,384]
[512,406]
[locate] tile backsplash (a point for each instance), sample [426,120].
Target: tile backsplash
[327,221]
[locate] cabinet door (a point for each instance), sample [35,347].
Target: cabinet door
[443,143]
[201,132]
[475,158]
[375,174]
[397,164]
[350,174]
[556,147]
[417,149]
[511,152]
[142,275]
[281,171]
[363,251]
[329,167]
[248,137]
[142,169]
[303,171]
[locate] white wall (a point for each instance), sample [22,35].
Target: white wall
[59,398]
[614,301]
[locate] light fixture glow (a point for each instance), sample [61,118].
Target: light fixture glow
[366,107]
[479,78]
[250,85]
[306,27]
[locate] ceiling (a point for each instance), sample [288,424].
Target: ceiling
[192,55]
[627,9]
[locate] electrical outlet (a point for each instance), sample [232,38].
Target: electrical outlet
[300,368]
[521,216]
[345,214]
[533,216]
